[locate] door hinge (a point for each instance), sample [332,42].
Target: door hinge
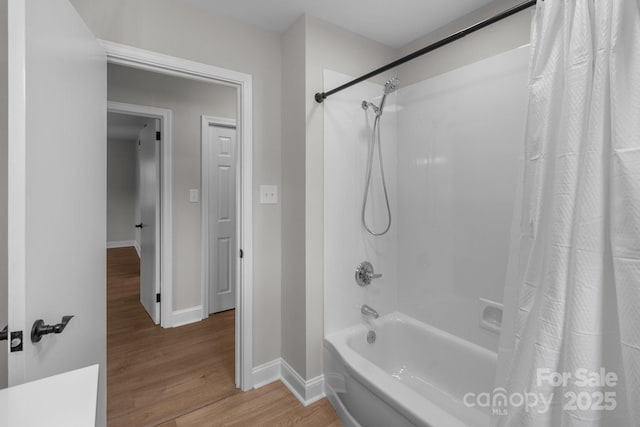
[158,135]
[16,341]
[157,297]
[241,253]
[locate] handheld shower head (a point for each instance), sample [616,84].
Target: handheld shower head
[391,86]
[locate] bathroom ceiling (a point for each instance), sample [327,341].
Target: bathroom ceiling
[391,22]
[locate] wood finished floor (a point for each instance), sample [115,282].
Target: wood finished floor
[183,377]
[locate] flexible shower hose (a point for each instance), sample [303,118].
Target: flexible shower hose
[375,138]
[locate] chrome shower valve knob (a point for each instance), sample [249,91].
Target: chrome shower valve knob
[365,274]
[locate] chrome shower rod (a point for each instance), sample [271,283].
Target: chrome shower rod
[321,96]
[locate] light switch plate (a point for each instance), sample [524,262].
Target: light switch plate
[268,194]
[194,196]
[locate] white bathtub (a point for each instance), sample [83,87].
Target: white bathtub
[412,375]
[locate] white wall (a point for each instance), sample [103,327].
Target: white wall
[460,136]
[3,190]
[178,28]
[121,190]
[188,100]
[347,134]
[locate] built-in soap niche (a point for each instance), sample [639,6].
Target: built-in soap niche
[490,315]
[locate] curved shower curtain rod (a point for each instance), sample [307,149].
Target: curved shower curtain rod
[321,96]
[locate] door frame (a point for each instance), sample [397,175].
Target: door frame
[164,227]
[205,122]
[159,63]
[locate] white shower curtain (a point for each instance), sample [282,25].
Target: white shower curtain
[578,298]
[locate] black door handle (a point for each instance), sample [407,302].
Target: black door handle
[4,333]
[141,225]
[39,328]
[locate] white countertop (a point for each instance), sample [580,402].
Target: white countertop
[65,400]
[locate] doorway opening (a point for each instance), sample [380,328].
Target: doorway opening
[218,347]
[134,193]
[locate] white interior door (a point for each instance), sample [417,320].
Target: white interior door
[149,198]
[57,191]
[222,217]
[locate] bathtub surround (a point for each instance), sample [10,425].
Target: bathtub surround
[330,47]
[347,133]
[452,146]
[459,149]
[429,132]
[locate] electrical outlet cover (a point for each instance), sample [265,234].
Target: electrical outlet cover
[268,194]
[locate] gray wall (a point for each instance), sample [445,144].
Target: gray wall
[310,46]
[3,190]
[188,100]
[293,197]
[178,28]
[121,190]
[492,40]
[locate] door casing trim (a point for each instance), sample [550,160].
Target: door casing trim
[159,63]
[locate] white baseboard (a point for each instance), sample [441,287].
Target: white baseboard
[314,389]
[267,373]
[186,316]
[306,391]
[121,244]
[137,246]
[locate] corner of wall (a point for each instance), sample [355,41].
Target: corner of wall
[293,307]
[306,391]
[327,46]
